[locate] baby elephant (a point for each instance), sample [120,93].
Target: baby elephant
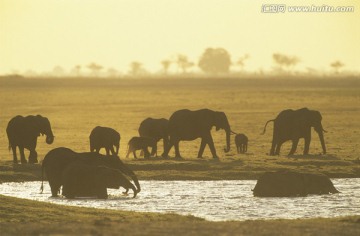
[241,142]
[104,137]
[140,143]
[84,180]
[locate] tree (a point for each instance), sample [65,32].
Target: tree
[112,73]
[336,65]
[136,68]
[76,70]
[215,60]
[95,68]
[183,63]
[285,61]
[58,71]
[166,64]
[241,61]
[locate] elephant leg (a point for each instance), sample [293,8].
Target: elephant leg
[237,149]
[127,154]
[154,150]
[202,147]
[278,147]
[210,142]
[22,155]
[273,147]
[246,147]
[177,151]
[307,146]
[146,152]
[102,193]
[33,157]
[294,146]
[134,153]
[112,151]
[97,150]
[15,160]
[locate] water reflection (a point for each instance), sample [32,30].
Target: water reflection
[212,200]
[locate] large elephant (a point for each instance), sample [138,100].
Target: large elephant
[293,125]
[156,129]
[104,137]
[190,125]
[23,132]
[83,180]
[58,159]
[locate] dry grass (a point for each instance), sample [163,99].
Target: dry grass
[75,107]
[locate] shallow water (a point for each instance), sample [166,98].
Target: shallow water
[212,200]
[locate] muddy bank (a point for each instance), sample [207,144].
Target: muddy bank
[25,217]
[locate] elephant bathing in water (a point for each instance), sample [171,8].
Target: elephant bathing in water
[23,132]
[104,137]
[58,159]
[190,125]
[293,125]
[83,180]
[155,129]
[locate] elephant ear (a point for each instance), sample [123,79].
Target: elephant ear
[38,123]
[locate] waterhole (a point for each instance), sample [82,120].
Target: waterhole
[212,200]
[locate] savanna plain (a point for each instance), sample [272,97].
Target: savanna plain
[75,106]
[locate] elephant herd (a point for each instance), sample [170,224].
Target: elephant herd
[183,125]
[91,173]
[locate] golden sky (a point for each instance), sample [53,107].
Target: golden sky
[40,34]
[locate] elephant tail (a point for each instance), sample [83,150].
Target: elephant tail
[266,125]
[42,178]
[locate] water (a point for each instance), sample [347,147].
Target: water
[212,200]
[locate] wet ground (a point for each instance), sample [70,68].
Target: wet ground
[212,200]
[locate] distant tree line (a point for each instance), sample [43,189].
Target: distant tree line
[213,61]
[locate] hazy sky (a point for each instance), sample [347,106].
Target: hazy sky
[40,34]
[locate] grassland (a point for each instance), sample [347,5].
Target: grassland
[75,107]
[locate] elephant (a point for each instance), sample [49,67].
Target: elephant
[104,137]
[140,143]
[241,142]
[23,132]
[83,180]
[156,129]
[58,159]
[293,125]
[292,184]
[189,125]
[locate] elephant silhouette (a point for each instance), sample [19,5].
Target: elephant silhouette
[189,125]
[140,143]
[104,137]
[155,129]
[241,142]
[293,125]
[23,132]
[58,159]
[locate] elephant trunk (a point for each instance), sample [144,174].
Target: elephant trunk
[50,138]
[228,132]
[320,131]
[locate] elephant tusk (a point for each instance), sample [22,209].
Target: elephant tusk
[232,132]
